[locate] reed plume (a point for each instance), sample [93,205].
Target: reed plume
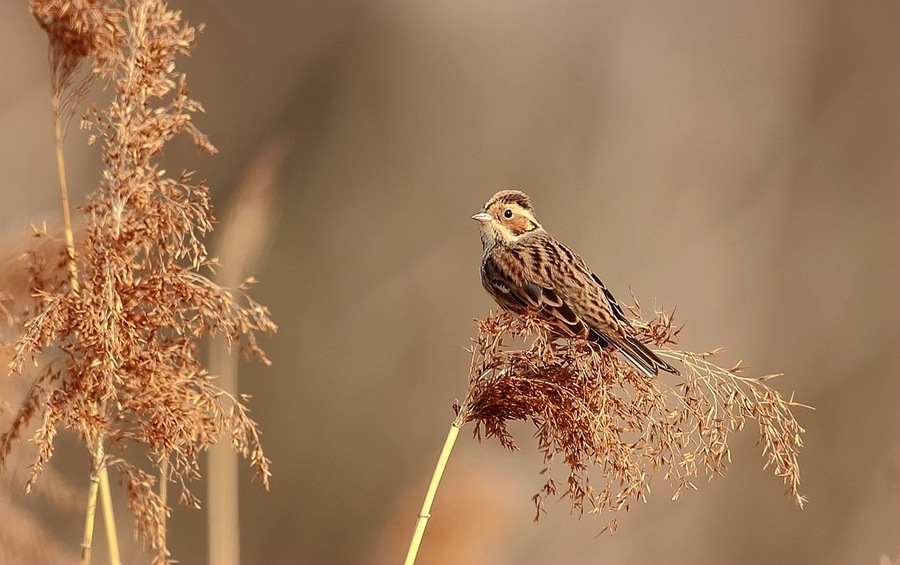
[591,409]
[612,428]
[115,327]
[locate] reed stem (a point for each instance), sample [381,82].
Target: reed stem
[97,463]
[222,494]
[64,193]
[109,518]
[425,513]
[99,476]
[164,508]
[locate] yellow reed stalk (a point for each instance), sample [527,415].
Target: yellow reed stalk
[163,510]
[109,519]
[91,510]
[425,513]
[99,476]
[245,230]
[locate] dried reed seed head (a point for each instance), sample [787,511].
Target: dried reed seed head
[78,29]
[117,359]
[72,25]
[600,416]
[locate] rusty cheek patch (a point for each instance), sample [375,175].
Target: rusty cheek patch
[518,224]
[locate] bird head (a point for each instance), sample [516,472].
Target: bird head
[506,217]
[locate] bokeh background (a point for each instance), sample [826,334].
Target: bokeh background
[738,160]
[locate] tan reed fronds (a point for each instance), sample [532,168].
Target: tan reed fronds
[114,330]
[24,538]
[614,429]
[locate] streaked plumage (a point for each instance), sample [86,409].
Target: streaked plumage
[526,270]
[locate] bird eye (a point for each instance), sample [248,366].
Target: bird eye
[507,213]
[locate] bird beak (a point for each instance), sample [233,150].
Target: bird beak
[482,217]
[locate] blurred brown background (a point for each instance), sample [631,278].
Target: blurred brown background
[738,160]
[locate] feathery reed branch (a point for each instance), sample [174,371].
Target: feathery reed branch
[116,340]
[592,409]
[23,537]
[600,416]
[72,39]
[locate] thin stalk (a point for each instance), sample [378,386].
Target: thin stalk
[99,475]
[163,511]
[245,229]
[222,494]
[64,192]
[97,463]
[425,513]
[109,519]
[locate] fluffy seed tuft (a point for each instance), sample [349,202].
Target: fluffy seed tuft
[614,428]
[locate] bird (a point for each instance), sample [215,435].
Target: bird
[526,270]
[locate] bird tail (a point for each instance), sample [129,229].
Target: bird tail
[641,357]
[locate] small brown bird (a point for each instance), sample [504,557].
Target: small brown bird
[525,269]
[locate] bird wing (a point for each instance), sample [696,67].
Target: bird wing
[505,279]
[614,307]
[547,301]
[633,348]
[571,292]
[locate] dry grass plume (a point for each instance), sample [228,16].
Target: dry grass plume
[614,429]
[114,328]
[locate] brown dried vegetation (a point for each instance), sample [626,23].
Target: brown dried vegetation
[115,337]
[601,417]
